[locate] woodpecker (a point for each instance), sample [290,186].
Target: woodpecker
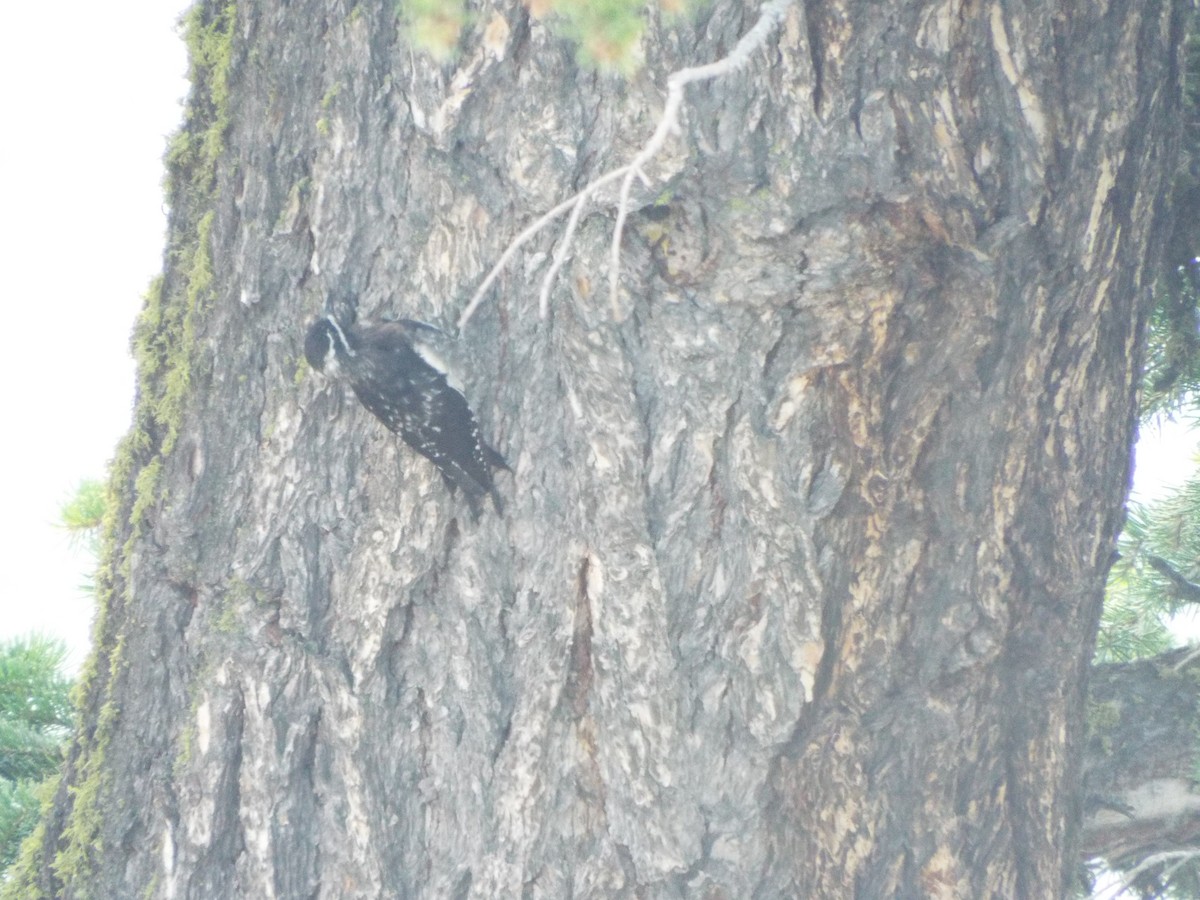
[397,375]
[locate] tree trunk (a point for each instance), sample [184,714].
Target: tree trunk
[805,541]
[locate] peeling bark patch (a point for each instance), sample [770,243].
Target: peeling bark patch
[203,725]
[815,53]
[1104,184]
[940,876]
[580,676]
[1009,57]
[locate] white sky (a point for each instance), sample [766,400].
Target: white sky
[90,92]
[1166,457]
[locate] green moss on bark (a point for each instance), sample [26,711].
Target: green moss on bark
[61,858]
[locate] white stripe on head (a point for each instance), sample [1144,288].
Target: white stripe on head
[341,334]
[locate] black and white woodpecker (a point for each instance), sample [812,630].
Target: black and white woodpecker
[397,374]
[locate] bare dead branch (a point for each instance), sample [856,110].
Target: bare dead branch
[524,236]
[770,17]
[1183,663]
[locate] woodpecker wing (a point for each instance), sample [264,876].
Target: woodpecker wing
[414,399]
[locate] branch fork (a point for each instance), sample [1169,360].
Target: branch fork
[769,20]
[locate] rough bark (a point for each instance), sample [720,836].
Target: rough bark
[804,552]
[1140,766]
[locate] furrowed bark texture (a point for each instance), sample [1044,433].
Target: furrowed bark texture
[804,550]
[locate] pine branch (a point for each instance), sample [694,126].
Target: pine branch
[1189,590]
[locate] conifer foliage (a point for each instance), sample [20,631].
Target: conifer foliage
[35,715]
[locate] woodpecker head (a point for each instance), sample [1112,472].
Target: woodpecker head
[325,345]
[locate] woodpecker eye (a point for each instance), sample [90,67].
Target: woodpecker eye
[318,344]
